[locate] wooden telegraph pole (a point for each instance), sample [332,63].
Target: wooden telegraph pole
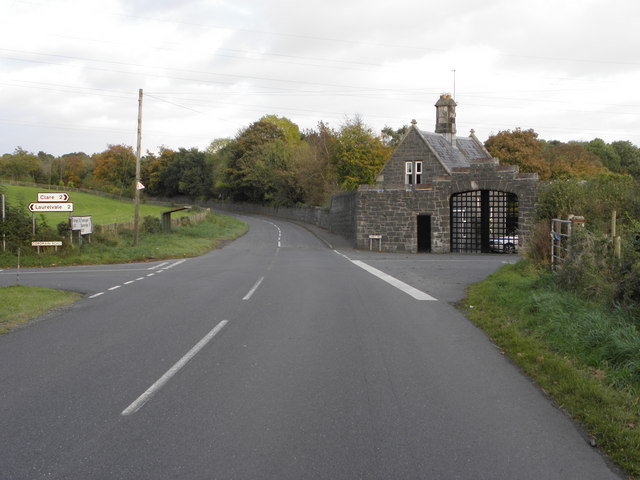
[136,214]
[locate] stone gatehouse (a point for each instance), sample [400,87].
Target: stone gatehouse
[440,193]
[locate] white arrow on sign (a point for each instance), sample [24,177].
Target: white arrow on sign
[53,197]
[51,207]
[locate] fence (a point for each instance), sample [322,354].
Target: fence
[560,239]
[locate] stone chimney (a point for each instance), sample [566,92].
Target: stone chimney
[446,118]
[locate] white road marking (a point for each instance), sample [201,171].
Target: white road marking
[150,274]
[174,264]
[139,278]
[162,381]
[129,282]
[96,295]
[158,266]
[399,284]
[114,288]
[253,290]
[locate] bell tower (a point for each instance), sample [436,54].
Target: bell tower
[446,117]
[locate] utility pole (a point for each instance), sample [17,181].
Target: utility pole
[454,85]
[136,213]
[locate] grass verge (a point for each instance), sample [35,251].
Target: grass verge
[184,241]
[584,356]
[19,304]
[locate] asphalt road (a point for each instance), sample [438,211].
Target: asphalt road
[275,357]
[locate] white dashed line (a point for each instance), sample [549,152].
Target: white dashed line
[114,288]
[253,290]
[162,381]
[139,278]
[150,274]
[129,282]
[96,295]
[158,266]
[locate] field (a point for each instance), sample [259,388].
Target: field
[103,210]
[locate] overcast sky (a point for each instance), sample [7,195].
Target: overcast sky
[70,70]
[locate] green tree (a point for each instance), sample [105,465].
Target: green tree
[571,160]
[606,153]
[187,173]
[359,155]
[629,157]
[22,166]
[391,137]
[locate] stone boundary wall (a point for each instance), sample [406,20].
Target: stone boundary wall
[339,218]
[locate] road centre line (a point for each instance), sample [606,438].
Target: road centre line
[129,282]
[253,289]
[162,381]
[139,278]
[114,288]
[96,295]
[399,284]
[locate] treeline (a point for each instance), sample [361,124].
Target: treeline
[554,160]
[272,161]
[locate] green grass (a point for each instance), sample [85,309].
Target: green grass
[20,304]
[584,356]
[103,210]
[183,241]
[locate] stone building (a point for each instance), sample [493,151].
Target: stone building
[440,193]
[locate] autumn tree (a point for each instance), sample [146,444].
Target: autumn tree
[521,148]
[571,160]
[316,174]
[115,169]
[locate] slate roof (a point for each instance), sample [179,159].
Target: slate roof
[466,149]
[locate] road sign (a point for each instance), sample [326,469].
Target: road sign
[53,243]
[51,207]
[84,224]
[53,197]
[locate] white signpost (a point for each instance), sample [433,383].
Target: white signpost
[53,197]
[49,202]
[51,207]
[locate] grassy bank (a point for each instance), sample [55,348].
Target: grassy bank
[103,210]
[20,304]
[184,241]
[584,356]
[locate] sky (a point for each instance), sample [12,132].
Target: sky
[71,70]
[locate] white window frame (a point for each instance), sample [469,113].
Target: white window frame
[418,173]
[408,173]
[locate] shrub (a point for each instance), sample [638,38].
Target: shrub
[151,224]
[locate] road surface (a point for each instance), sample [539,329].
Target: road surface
[275,357]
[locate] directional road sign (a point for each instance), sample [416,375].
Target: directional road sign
[53,197]
[51,207]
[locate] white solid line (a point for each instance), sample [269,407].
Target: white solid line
[253,290]
[129,282]
[162,381]
[96,295]
[158,266]
[114,288]
[400,285]
[175,263]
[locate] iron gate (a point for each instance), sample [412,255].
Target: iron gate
[484,221]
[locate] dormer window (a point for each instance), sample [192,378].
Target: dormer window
[413,173]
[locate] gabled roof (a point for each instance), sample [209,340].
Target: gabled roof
[467,150]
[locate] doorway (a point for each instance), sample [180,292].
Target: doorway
[424,233]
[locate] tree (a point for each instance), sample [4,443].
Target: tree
[22,166]
[186,173]
[571,160]
[629,157]
[391,137]
[606,153]
[521,148]
[359,155]
[115,169]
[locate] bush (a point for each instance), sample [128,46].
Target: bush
[151,224]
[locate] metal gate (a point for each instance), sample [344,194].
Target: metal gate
[484,221]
